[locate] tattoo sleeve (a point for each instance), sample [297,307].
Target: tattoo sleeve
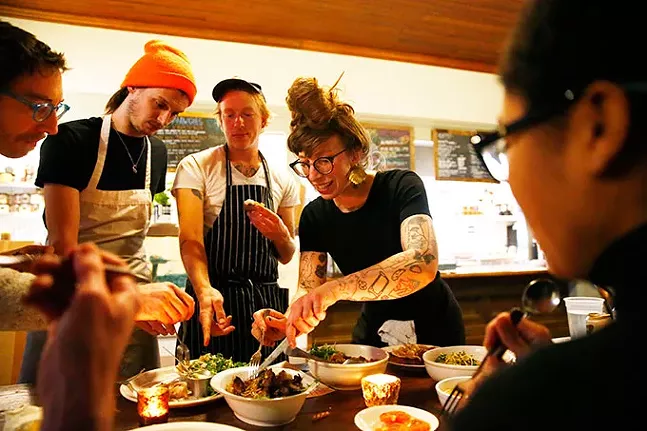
[401,274]
[312,270]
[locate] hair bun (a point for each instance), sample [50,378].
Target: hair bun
[311,105]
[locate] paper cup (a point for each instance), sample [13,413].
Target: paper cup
[577,308]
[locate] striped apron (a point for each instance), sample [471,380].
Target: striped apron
[243,267]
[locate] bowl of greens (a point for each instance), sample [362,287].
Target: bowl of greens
[342,366]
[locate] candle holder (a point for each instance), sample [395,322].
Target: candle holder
[152,405]
[380,389]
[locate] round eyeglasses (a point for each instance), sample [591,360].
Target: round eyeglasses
[323,165]
[41,111]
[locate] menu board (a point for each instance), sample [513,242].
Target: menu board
[391,147]
[455,158]
[189,133]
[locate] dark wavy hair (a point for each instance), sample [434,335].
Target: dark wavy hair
[23,54]
[561,45]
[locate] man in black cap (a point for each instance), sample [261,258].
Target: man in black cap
[236,223]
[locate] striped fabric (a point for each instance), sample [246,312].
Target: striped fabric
[243,267]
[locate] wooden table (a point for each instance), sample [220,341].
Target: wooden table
[417,390]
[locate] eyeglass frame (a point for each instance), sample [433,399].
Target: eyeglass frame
[331,159]
[533,118]
[35,106]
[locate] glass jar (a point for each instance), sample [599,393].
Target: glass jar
[152,405]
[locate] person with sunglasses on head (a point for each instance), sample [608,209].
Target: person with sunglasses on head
[236,216]
[572,146]
[99,176]
[377,228]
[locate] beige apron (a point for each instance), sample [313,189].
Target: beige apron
[117,221]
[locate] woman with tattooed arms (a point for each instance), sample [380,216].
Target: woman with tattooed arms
[236,223]
[376,226]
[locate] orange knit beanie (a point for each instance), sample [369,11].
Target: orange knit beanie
[162,66]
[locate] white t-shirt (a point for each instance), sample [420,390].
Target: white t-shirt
[205,171]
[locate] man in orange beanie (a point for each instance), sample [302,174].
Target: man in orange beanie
[100,174]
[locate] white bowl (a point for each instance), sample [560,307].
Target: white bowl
[446,386]
[349,376]
[262,412]
[438,371]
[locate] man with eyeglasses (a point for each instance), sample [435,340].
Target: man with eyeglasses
[100,314]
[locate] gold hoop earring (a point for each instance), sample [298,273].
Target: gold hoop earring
[357,175]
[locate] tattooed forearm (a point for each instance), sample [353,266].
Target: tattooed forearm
[312,270]
[400,275]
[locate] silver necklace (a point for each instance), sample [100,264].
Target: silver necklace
[135,163]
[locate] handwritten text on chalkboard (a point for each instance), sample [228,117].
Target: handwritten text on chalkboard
[391,147]
[456,159]
[188,134]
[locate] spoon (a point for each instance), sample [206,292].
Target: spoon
[540,296]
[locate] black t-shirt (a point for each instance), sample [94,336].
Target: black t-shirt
[68,158]
[592,382]
[371,234]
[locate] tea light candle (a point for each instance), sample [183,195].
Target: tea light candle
[152,405]
[380,389]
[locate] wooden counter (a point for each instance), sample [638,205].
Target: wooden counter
[482,293]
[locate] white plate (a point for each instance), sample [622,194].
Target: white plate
[369,418]
[389,349]
[190,426]
[163,375]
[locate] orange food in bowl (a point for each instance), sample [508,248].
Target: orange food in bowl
[401,421]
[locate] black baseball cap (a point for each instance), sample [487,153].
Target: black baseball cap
[227,85]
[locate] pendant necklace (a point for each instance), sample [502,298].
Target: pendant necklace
[135,163]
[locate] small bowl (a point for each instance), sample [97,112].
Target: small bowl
[446,386]
[438,371]
[262,412]
[349,376]
[199,384]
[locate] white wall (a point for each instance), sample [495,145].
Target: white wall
[100,58]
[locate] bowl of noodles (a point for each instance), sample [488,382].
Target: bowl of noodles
[453,361]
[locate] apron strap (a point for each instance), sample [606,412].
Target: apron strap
[101,156]
[268,181]
[147,183]
[268,178]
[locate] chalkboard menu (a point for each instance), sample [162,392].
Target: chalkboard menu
[456,158]
[188,134]
[391,147]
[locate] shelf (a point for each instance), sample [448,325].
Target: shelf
[163,229]
[13,188]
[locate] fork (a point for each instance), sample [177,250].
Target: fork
[182,352]
[497,350]
[255,360]
[129,381]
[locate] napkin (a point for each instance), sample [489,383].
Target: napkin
[395,332]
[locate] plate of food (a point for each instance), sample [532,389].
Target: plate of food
[395,417]
[342,366]
[408,355]
[273,398]
[182,384]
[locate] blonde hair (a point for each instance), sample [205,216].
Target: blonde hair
[258,99]
[318,114]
